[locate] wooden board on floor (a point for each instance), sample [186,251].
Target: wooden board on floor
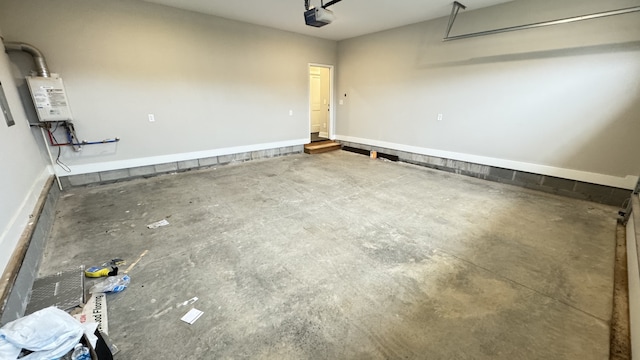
[321,147]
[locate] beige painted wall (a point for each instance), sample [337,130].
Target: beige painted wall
[546,100]
[23,168]
[210,82]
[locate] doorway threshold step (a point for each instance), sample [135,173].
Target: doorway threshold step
[321,147]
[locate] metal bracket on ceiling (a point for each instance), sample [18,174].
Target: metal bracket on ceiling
[324,6]
[454,12]
[457,6]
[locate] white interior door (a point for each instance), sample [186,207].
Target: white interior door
[325,97]
[315,82]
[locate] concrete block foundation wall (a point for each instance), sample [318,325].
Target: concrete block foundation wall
[565,187]
[153,170]
[19,295]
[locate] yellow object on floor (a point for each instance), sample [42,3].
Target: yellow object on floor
[106,269]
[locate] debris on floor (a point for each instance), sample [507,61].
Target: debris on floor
[101,271]
[188,302]
[191,316]
[158,224]
[89,331]
[80,352]
[109,344]
[95,310]
[61,325]
[136,262]
[65,290]
[112,284]
[49,333]
[109,268]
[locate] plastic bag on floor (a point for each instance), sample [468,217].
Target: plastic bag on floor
[49,333]
[112,284]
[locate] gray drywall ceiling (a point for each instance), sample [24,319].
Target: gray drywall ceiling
[353,17]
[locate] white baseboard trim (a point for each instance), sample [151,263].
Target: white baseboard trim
[13,230]
[79,169]
[627,182]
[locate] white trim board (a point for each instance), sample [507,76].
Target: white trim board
[627,182]
[80,169]
[13,231]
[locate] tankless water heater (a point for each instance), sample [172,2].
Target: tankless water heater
[49,98]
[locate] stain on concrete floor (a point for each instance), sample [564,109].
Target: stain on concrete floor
[338,256]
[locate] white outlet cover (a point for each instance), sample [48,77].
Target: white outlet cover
[152,118]
[439,117]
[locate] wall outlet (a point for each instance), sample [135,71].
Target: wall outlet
[152,118]
[290,112]
[439,117]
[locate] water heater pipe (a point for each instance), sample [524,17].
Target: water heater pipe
[38,58]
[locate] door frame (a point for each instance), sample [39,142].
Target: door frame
[332,108]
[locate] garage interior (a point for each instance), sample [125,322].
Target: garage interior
[485,186]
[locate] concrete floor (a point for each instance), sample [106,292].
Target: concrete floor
[337,256]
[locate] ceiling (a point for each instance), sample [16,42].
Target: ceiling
[353,17]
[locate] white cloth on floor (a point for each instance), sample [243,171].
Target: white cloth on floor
[49,333]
